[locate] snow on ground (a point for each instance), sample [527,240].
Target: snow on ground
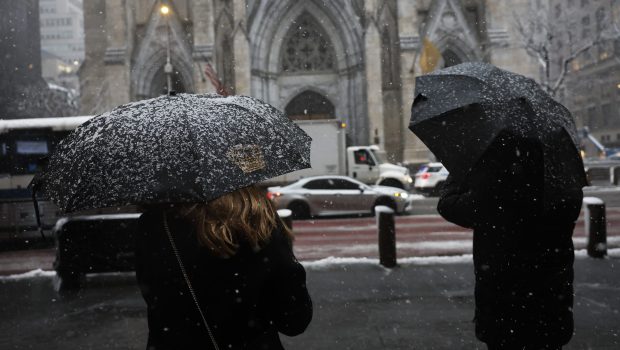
[609,188]
[611,253]
[584,240]
[330,262]
[327,263]
[347,249]
[28,275]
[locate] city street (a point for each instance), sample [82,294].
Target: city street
[420,234]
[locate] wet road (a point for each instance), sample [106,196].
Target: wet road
[416,236]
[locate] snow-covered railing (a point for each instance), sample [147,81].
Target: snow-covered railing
[62,123]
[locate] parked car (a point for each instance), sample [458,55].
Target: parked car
[430,178]
[336,195]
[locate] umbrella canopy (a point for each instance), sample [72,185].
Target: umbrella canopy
[183,148]
[459,111]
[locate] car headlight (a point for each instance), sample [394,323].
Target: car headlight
[402,195]
[409,179]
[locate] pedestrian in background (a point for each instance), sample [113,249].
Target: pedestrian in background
[238,261]
[522,246]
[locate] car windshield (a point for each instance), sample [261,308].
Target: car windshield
[380,156]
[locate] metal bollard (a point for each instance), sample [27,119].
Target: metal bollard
[387,235]
[595,226]
[616,175]
[287,217]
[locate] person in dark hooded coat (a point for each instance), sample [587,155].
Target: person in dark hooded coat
[522,245]
[239,260]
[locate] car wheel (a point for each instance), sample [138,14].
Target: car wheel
[392,183]
[386,202]
[299,210]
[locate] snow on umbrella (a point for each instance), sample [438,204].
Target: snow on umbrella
[183,148]
[459,111]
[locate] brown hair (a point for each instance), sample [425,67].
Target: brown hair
[245,214]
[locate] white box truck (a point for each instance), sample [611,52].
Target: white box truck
[330,156]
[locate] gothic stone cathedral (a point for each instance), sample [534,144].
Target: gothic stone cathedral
[352,60]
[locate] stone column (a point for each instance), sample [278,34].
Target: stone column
[117,53]
[374,88]
[92,72]
[506,47]
[204,39]
[414,150]
[241,47]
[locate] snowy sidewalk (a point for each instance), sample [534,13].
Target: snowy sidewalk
[426,303]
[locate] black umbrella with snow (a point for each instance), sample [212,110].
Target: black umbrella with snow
[459,111]
[169,149]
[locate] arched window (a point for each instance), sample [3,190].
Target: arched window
[310,105]
[307,47]
[450,58]
[159,85]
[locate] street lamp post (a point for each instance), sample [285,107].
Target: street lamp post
[165,10]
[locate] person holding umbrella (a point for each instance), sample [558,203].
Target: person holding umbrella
[239,264]
[213,260]
[516,179]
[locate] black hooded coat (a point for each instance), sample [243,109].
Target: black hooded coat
[522,246]
[247,299]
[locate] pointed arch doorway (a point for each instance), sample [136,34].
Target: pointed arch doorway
[450,58]
[158,85]
[310,105]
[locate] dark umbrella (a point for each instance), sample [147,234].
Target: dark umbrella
[183,148]
[459,111]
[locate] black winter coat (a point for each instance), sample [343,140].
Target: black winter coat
[523,249]
[247,299]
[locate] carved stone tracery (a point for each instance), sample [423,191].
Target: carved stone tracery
[307,47]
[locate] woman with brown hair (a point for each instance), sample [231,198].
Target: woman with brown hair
[220,275]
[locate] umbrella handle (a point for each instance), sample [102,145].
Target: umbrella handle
[36,213]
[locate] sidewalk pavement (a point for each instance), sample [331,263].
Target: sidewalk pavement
[422,304]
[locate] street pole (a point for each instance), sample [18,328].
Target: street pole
[165,10]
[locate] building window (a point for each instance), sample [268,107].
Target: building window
[585,21]
[600,19]
[585,33]
[307,47]
[607,110]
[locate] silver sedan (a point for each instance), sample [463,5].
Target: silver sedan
[336,195]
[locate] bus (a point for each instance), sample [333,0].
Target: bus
[23,143]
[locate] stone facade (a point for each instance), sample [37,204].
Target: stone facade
[353,60]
